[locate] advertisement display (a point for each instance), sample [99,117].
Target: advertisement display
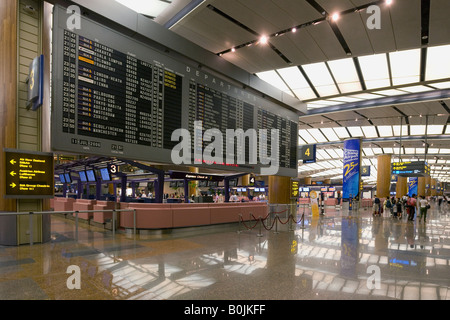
[314,204]
[412,186]
[351,174]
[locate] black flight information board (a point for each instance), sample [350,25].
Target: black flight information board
[116,96]
[411,169]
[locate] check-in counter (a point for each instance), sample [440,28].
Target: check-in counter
[63,204]
[84,205]
[102,217]
[162,216]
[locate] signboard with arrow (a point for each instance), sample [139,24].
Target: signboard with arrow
[29,174]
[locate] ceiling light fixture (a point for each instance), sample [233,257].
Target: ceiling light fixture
[389,2]
[263,40]
[294,30]
[335,17]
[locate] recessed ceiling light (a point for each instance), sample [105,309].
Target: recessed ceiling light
[335,17]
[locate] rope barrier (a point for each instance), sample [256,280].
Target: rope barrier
[268,228]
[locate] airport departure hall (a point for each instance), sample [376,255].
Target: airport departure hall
[244,150]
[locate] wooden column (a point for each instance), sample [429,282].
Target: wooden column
[308,180]
[383,175]
[193,184]
[279,189]
[421,187]
[433,184]
[428,182]
[402,187]
[8,89]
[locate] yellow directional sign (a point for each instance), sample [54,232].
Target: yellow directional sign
[29,174]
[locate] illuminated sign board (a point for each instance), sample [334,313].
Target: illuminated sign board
[307,153]
[294,189]
[29,174]
[195,176]
[365,171]
[411,169]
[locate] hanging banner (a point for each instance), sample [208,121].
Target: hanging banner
[412,186]
[352,164]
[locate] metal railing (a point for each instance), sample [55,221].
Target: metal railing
[76,212]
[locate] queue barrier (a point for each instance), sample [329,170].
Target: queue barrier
[271,223]
[75,213]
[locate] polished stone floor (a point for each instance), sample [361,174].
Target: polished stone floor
[336,256]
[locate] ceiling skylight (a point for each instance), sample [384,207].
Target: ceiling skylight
[344,72]
[151,8]
[375,71]
[405,66]
[438,63]
[297,83]
[321,79]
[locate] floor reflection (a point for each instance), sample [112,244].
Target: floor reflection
[329,257]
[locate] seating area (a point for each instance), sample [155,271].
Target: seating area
[162,215]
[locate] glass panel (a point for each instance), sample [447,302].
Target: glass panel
[375,71]
[345,74]
[304,134]
[321,79]
[370,132]
[356,131]
[330,134]
[417,130]
[385,131]
[274,79]
[341,132]
[435,129]
[297,82]
[317,135]
[438,63]
[405,66]
[397,130]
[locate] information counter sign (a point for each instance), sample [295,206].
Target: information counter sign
[29,175]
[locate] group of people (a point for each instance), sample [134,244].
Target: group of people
[403,206]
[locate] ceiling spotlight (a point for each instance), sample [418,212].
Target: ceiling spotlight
[335,17]
[233,49]
[389,2]
[294,30]
[263,40]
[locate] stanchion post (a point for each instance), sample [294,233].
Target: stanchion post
[239,223]
[114,223]
[31,228]
[134,222]
[260,226]
[76,225]
[276,224]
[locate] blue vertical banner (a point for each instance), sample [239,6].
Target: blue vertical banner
[412,186]
[352,167]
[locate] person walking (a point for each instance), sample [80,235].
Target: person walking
[423,205]
[412,202]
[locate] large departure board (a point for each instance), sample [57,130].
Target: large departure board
[113,95]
